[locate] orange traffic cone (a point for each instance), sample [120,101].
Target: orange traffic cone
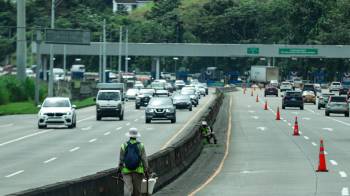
[252,94]
[296,127]
[322,167]
[265,106]
[278,115]
[257,98]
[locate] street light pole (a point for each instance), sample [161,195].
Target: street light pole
[50,93]
[120,53]
[176,59]
[126,50]
[104,53]
[21,39]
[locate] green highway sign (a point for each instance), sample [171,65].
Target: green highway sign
[67,36]
[253,50]
[298,51]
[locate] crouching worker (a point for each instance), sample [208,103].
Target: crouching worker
[207,132]
[133,164]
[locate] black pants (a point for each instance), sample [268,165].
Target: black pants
[211,136]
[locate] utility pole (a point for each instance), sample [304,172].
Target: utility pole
[37,68]
[50,93]
[100,61]
[21,40]
[104,53]
[120,53]
[126,50]
[65,60]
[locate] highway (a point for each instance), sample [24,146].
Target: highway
[30,157]
[264,158]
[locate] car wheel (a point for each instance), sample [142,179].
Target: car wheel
[319,107]
[173,120]
[190,109]
[98,117]
[71,126]
[195,105]
[121,117]
[75,123]
[283,107]
[327,113]
[148,120]
[346,114]
[42,126]
[137,107]
[302,107]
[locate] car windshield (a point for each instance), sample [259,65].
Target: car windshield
[308,93]
[56,103]
[147,91]
[285,83]
[181,97]
[338,99]
[107,96]
[187,92]
[160,102]
[336,83]
[132,91]
[293,94]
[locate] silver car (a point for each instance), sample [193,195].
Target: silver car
[337,105]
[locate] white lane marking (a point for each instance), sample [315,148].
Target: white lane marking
[306,118]
[7,125]
[300,132]
[261,128]
[50,160]
[74,149]
[310,110]
[289,124]
[86,128]
[343,174]
[284,120]
[119,128]
[333,162]
[345,191]
[136,120]
[107,133]
[249,106]
[339,121]
[313,143]
[328,129]
[127,124]
[255,117]
[24,137]
[325,152]
[15,173]
[306,137]
[85,119]
[92,140]
[251,111]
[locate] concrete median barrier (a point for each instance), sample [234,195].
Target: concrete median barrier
[167,164]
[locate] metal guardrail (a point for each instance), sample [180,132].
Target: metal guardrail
[168,164]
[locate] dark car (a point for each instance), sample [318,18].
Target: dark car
[182,102]
[323,100]
[192,94]
[144,97]
[293,99]
[309,87]
[160,108]
[345,86]
[271,90]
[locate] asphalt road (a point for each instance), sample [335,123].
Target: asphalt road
[30,157]
[265,159]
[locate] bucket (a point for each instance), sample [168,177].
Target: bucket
[151,184]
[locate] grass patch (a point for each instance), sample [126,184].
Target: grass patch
[30,108]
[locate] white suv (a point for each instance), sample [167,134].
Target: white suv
[57,111]
[335,86]
[286,86]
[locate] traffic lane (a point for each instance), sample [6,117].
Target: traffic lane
[261,160]
[315,126]
[91,158]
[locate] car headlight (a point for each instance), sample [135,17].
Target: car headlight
[69,113]
[170,110]
[150,110]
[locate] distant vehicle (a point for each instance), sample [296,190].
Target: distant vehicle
[309,97]
[131,93]
[192,94]
[335,86]
[58,74]
[157,85]
[144,97]
[192,87]
[162,92]
[182,102]
[179,84]
[110,100]
[274,83]
[271,90]
[293,99]
[57,111]
[30,73]
[204,85]
[286,86]
[318,88]
[309,87]
[160,108]
[323,100]
[201,89]
[337,105]
[345,86]
[138,85]
[170,87]
[263,74]
[77,71]
[298,83]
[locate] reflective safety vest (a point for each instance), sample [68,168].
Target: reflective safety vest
[205,130]
[140,169]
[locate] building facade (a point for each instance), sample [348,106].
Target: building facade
[128,5]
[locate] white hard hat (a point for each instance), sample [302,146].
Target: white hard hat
[133,133]
[204,123]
